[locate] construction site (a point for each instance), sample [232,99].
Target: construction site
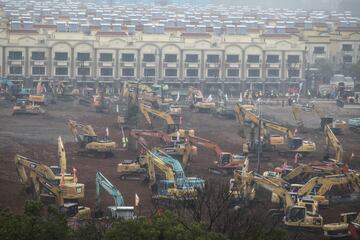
[305,154]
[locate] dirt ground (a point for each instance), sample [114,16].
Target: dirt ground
[36,137]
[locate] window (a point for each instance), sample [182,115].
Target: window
[233,72]
[192,72]
[38,70]
[128,72]
[232,58]
[212,58]
[128,57]
[254,73]
[16,70]
[293,73]
[253,58]
[273,73]
[106,57]
[83,71]
[106,71]
[61,56]
[272,59]
[15,55]
[192,58]
[83,56]
[293,59]
[347,47]
[170,58]
[170,72]
[149,72]
[319,50]
[213,73]
[149,57]
[38,55]
[61,71]
[347,59]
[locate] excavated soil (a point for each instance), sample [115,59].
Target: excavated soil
[36,137]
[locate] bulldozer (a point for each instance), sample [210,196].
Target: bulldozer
[88,140]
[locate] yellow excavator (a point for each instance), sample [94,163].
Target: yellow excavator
[332,140]
[41,181]
[295,144]
[176,186]
[24,106]
[198,102]
[336,125]
[89,141]
[297,214]
[305,171]
[147,111]
[318,187]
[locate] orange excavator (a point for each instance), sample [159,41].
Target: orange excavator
[226,162]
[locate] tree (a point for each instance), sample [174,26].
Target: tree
[326,69]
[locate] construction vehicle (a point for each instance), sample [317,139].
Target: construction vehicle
[176,186]
[295,144]
[38,97]
[354,124]
[11,90]
[336,125]
[147,111]
[198,102]
[304,172]
[101,103]
[176,144]
[89,141]
[341,229]
[297,214]
[318,188]
[24,106]
[42,182]
[119,210]
[226,162]
[331,139]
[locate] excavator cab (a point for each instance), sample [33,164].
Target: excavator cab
[89,139]
[73,209]
[225,158]
[164,186]
[298,216]
[295,143]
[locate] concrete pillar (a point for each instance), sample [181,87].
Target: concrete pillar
[3,64]
[181,63]
[138,62]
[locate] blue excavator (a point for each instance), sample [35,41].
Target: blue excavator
[118,210]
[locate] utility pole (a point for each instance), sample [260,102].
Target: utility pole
[259,150]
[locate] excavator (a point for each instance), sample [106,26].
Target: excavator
[295,144]
[303,172]
[42,182]
[118,210]
[336,125]
[198,102]
[88,140]
[101,103]
[147,111]
[25,106]
[318,188]
[332,140]
[39,96]
[176,144]
[297,214]
[226,162]
[176,186]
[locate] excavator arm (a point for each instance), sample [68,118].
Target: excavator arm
[278,128]
[207,144]
[75,127]
[152,161]
[61,156]
[102,182]
[297,116]
[335,143]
